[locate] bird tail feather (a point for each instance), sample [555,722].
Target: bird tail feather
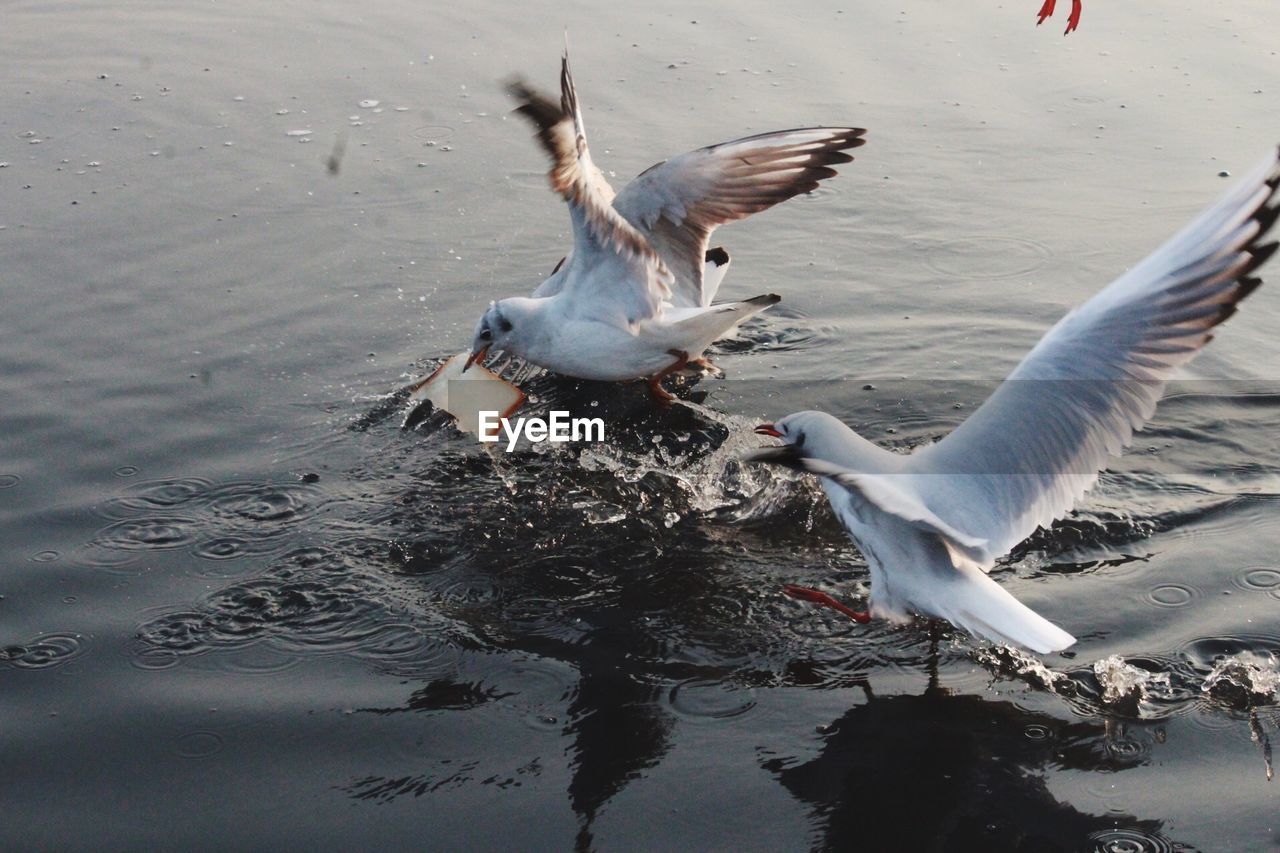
[985,608]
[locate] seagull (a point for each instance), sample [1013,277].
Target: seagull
[932,523]
[634,298]
[1073,20]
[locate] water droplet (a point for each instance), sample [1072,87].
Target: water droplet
[368,104]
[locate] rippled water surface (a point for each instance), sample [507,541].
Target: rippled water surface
[239,603]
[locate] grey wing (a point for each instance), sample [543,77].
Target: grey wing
[679,202]
[1039,442]
[613,272]
[553,283]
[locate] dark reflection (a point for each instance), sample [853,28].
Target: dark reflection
[944,772]
[616,723]
[444,694]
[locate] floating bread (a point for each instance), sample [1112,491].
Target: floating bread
[466,395]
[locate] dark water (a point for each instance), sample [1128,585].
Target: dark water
[241,607]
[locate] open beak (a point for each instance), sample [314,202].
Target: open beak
[476,355]
[785,455]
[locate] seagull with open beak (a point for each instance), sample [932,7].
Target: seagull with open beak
[932,523]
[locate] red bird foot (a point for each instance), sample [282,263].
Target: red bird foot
[1073,20]
[803,593]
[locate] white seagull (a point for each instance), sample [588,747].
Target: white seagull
[633,298]
[932,523]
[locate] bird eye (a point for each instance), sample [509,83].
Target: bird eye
[485,334]
[505,325]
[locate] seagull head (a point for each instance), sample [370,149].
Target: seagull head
[802,434]
[501,327]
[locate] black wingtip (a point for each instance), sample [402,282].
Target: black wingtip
[568,94]
[1259,255]
[1266,217]
[765,299]
[717,256]
[1248,285]
[533,105]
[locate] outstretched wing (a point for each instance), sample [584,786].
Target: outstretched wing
[1038,443]
[613,272]
[678,203]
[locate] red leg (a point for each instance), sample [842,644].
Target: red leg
[1074,20]
[1045,11]
[803,593]
[661,394]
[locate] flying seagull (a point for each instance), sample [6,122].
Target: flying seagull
[932,523]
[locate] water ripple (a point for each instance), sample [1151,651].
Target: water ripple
[701,699]
[148,534]
[1173,595]
[262,504]
[1129,841]
[201,743]
[1258,579]
[154,494]
[44,652]
[986,256]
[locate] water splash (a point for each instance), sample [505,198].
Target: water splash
[1128,685]
[1244,680]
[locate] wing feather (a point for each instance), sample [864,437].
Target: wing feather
[678,203]
[613,271]
[1039,442]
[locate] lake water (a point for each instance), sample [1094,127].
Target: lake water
[241,607]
